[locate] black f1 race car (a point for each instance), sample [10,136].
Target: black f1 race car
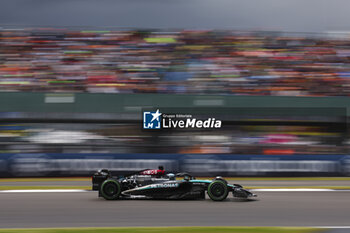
[155,184]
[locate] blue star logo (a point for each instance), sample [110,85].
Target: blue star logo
[151,120]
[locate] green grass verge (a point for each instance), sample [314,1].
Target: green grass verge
[167,229]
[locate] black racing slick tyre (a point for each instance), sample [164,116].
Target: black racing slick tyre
[217,190]
[222,179]
[110,189]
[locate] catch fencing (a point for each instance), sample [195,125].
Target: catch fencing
[67,165]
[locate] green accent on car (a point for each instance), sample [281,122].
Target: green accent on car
[218,198]
[114,196]
[200,181]
[208,182]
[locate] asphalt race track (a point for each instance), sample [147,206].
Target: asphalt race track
[20,210]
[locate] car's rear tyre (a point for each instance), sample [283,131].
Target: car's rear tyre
[217,190]
[110,189]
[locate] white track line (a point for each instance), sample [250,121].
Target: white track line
[45,191]
[293,190]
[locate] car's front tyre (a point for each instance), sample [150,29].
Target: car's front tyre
[217,190]
[110,189]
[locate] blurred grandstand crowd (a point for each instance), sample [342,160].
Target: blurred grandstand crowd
[129,138]
[210,62]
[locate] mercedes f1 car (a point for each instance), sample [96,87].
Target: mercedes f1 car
[155,184]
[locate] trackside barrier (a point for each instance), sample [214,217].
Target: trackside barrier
[41,165]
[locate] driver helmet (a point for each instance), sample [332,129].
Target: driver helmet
[171,176]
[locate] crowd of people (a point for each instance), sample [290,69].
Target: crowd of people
[76,138]
[192,62]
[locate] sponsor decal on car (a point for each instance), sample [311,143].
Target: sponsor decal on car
[166,185]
